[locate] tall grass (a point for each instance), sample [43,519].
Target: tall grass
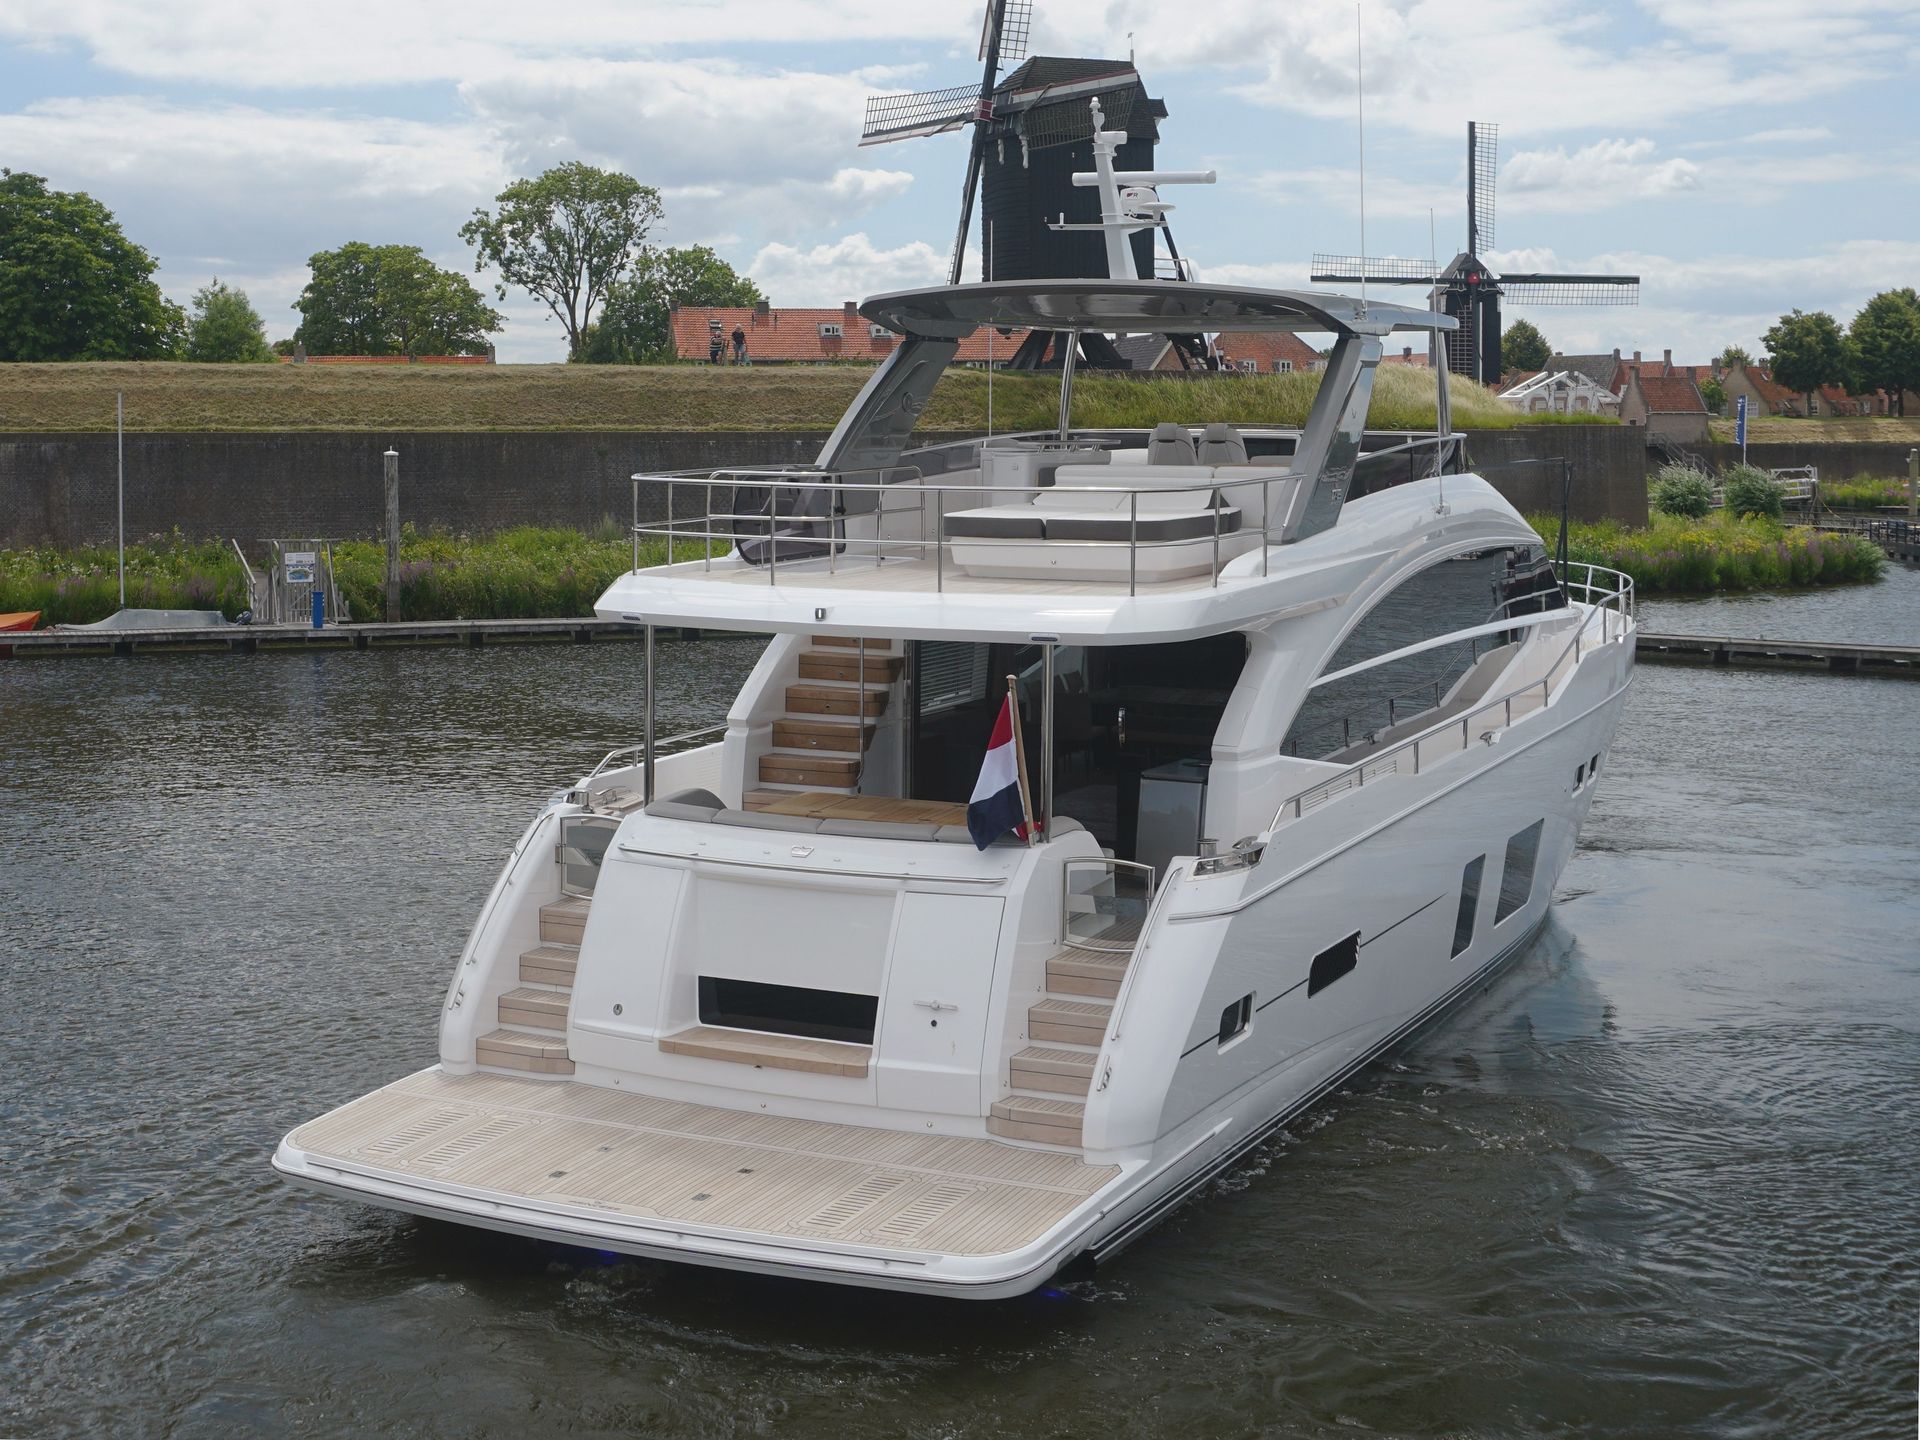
[634,398]
[521,574]
[76,587]
[1681,556]
[1863,492]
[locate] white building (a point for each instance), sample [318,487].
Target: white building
[1561,392]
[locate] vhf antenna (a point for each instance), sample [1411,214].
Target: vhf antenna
[1360,101]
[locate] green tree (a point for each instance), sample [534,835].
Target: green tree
[1734,355]
[1523,347]
[1808,351]
[1715,394]
[390,300]
[72,285]
[1885,341]
[225,328]
[636,323]
[565,237]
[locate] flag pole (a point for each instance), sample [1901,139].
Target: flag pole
[1020,755]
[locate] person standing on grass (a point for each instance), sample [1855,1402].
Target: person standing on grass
[739,346]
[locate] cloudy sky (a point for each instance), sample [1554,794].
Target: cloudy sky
[1743,156]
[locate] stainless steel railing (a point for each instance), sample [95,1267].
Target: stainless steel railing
[1612,603]
[813,536]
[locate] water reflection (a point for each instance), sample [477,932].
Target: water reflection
[1654,1181]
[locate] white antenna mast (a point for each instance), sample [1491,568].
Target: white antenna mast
[1437,359]
[989,337]
[1360,101]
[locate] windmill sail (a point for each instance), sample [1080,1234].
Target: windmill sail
[917,113]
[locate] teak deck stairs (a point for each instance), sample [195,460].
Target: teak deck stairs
[1048,1081]
[532,1038]
[821,741]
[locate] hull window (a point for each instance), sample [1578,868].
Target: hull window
[787,1010]
[1469,904]
[1516,881]
[1333,962]
[1235,1019]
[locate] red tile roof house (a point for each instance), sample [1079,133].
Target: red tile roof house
[1253,352]
[1668,405]
[1765,395]
[784,336]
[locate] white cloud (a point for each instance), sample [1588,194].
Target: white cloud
[1604,173]
[849,268]
[355,43]
[862,188]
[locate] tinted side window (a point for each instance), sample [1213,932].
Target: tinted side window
[1516,880]
[1333,962]
[1469,904]
[1455,594]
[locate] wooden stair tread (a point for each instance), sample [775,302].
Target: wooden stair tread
[1035,1110]
[792,769]
[563,921]
[1087,972]
[844,665]
[849,642]
[1078,1022]
[774,1052]
[810,734]
[522,1050]
[549,965]
[1083,1010]
[833,700]
[1055,1061]
[541,1009]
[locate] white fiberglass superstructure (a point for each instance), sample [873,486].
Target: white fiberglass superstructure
[1313,722]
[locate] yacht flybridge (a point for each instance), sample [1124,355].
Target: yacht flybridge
[1312,722]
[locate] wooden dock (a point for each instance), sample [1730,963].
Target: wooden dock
[251,639]
[1784,654]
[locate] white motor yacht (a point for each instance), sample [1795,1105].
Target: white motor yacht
[1311,722]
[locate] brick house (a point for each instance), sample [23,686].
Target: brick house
[785,336]
[1669,406]
[1765,395]
[1255,352]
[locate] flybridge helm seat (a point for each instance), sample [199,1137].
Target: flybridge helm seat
[1220,444]
[1170,444]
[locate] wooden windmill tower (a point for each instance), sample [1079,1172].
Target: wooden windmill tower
[1469,289]
[1032,132]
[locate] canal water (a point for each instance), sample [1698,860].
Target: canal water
[1660,1180]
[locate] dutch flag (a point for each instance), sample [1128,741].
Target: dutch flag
[995,807]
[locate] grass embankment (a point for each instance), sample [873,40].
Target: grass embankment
[175,397]
[1838,430]
[1693,557]
[527,573]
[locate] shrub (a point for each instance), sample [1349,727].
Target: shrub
[1863,492]
[1751,491]
[1683,491]
[1724,552]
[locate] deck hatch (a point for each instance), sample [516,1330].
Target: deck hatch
[843,1212]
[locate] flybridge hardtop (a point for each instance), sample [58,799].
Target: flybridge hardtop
[1155,307]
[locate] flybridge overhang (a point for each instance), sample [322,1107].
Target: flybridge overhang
[1138,307]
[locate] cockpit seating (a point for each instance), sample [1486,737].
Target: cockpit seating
[1170,444]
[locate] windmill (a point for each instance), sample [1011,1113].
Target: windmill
[1031,132]
[1469,289]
